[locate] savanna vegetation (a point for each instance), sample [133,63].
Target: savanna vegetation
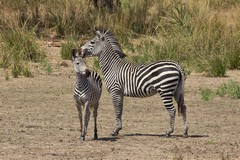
[202,35]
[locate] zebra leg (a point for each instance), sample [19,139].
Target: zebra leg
[117,99]
[168,102]
[95,121]
[185,125]
[86,117]
[182,109]
[79,108]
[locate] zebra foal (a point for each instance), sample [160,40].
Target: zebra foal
[124,78]
[87,93]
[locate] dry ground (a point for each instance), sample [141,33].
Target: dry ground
[38,120]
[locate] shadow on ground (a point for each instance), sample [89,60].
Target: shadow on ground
[163,135]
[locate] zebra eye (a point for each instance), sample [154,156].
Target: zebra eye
[92,42]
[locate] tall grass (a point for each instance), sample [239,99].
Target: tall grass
[67,48]
[19,48]
[192,32]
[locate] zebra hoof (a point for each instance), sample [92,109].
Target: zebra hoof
[95,137]
[169,132]
[114,134]
[167,135]
[82,138]
[185,135]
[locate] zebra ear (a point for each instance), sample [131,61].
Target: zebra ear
[98,33]
[74,53]
[95,29]
[102,38]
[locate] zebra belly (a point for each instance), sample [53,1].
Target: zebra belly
[140,93]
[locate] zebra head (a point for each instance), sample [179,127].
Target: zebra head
[95,46]
[78,63]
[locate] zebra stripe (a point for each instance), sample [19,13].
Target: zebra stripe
[124,78]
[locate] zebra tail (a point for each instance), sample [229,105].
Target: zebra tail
[179,95]
[180,103]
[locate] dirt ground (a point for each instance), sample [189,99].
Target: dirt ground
[38,120]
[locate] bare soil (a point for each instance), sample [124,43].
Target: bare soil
[38,120]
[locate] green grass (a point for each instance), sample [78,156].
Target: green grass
[231,89]
[206,94]
[222,90]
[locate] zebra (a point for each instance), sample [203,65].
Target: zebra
[124,78]
[87,93]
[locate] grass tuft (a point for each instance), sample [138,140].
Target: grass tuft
[206,94]
[230,89]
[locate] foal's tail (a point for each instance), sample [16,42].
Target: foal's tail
[179,93]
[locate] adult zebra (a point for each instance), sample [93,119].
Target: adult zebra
[124,78]
[87,93]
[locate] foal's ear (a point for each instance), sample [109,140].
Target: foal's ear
[88,72]
[75,53]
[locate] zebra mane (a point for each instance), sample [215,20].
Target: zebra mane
[113,41]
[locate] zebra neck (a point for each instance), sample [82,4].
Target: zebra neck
[81,81]
[108,59]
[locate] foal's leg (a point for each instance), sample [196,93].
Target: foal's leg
[86,117]
[79,108]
